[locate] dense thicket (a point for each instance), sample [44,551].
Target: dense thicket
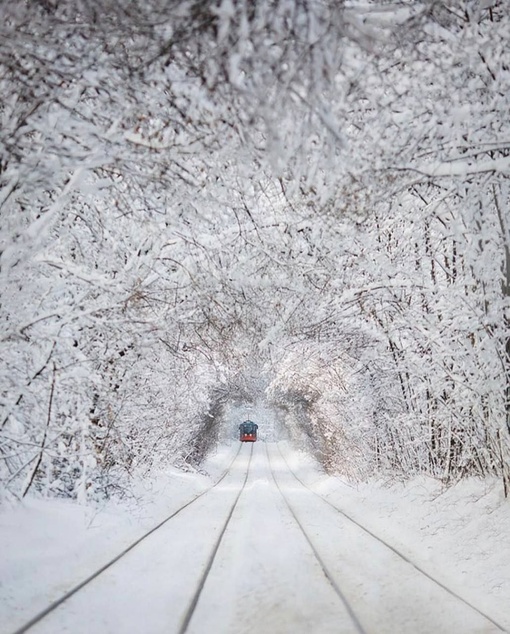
[206,202]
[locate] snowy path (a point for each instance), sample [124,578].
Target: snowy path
[262,553]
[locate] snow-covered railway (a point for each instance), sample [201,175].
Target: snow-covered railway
[260,551]
[51,618]
[383,587]
[266,576]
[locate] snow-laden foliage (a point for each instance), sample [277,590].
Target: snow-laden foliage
[203,199]
[326,398]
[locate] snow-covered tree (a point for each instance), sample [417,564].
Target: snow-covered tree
[196,192]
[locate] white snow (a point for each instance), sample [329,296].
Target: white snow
[264,577]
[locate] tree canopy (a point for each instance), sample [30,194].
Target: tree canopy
[210,202]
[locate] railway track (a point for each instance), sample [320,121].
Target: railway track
[277,579]
[324,567]
[210,560]
[487,623]
[260,551]
[38,618]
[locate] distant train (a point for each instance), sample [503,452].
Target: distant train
[248,431]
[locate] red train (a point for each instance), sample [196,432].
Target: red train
[248,431]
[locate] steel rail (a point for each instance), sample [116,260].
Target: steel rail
[416,566]
[317,555]
[200,586]
[58,602]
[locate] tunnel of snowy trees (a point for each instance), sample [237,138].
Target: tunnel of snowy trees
[207,204]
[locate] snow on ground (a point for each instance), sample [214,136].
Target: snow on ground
[55,544]
[458,535]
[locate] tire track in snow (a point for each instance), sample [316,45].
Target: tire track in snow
[75,589]
[399,554]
